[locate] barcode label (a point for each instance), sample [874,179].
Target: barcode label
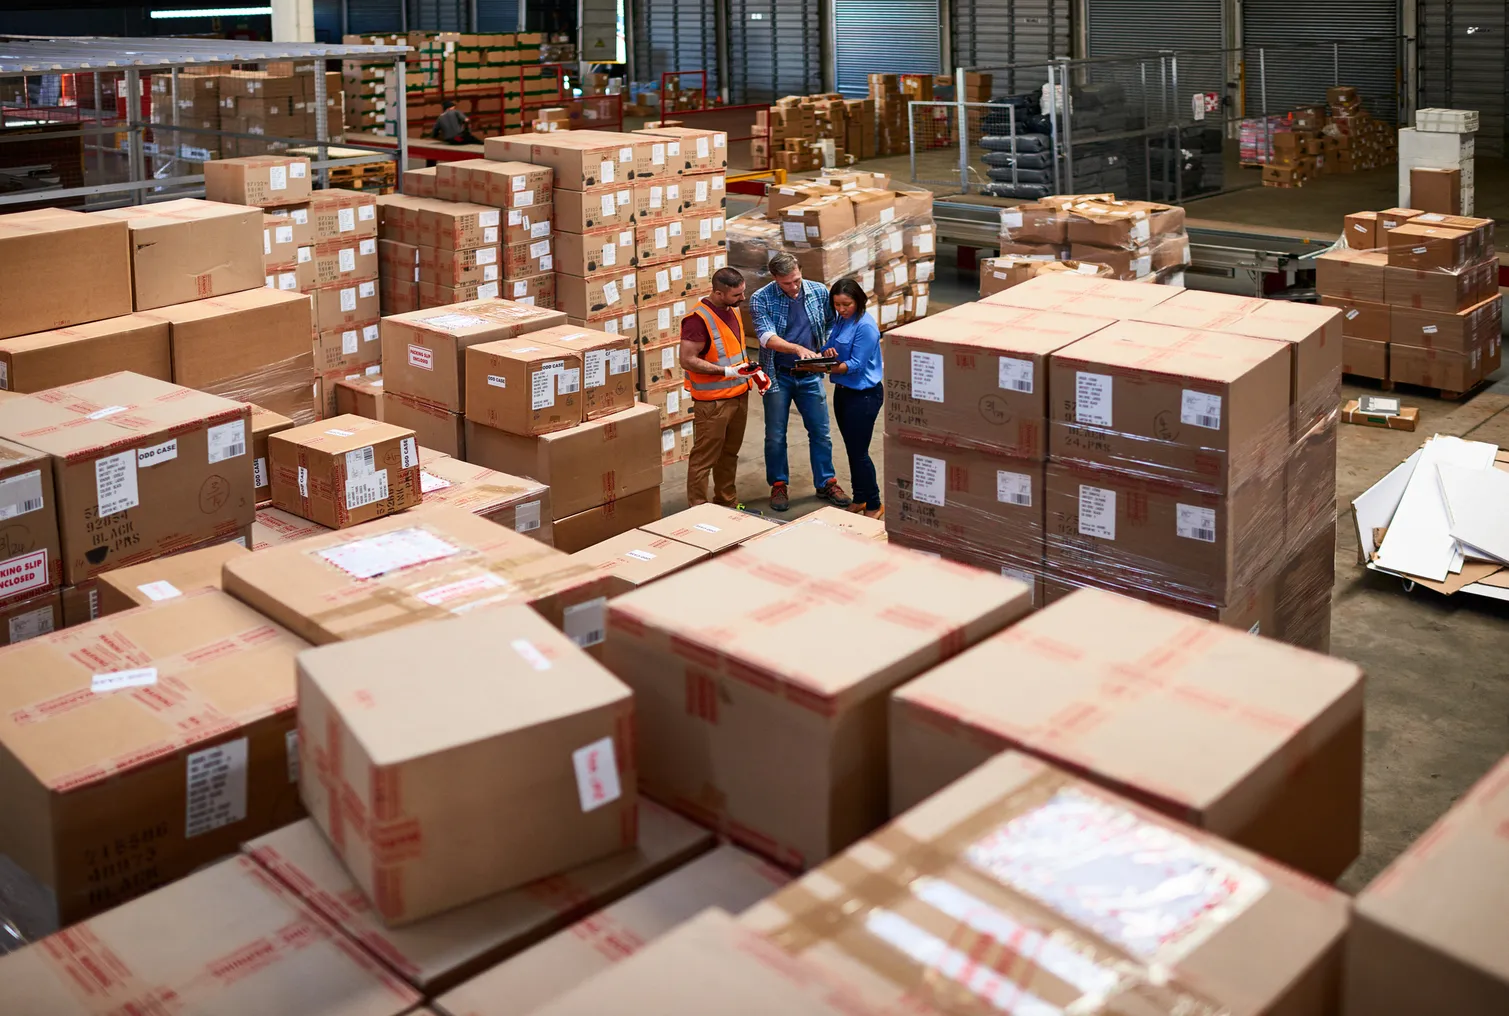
[227,441]
[1195,523]
[584,622]
[360,463]
[1200,410]
[20,494]
[1015,375]
[1014,488]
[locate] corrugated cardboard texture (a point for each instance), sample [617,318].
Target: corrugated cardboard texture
[30,617]
[274,527]
[750,723]
[523,387]
[584,529]
[437,794]
[172,770]
[45,246]
[727,878]
[164,578]
[1083,294]
[711,527]
[229,940]
[437,954]
[847,522]
[1126,694]
[433,426]
[521,504]
[344,470]
[42,360]
[636,558]
[607,369]
[264,424]
[1106,906]
[190,249]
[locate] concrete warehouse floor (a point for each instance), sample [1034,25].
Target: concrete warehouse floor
[1437,668]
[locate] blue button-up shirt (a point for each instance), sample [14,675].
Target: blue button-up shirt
[771,309]
[856,340]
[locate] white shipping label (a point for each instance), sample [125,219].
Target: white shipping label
[1014,488]
[704,268]
[216,787]
[539,229]
[298,169]
[488,218]
[927,377]
[1015,375]
[259,474]
[547,263]
[277,178]
[526,517]
[486,255]
[662,237]
[610,254]
[1200,409]
[288,282]
[610,293]
[584,623]
[306,255]
[348,300]
[530,654]
[291,753]
[520,288]
[283,234]
[1352,314]
[705,229]
[1092,398]
[596,774]
[542,389]
[639,555]
[605,171]
[609,206]
[367,290]
[345,219]
[657,155]
[858,259]
[266,243]
[668,358]
[350,341]
[21,494]
[887,215]
[301,216]
[408,453]
[792,232]
[702,150]
[925,243]
[619,361]
[367,213]
[1011,219]
[303,482]
[672,403]
[227,441]
[115,483]
[928,478]
[1195,523]
[1428,329]
[117,679]
[707,528]
[595,368]
[489,273]
[1097,512]
[568,382]
[366,490]
[624,197]
[516,185]
[421,357]
[626,155]
[361,463]
[663,318]
[346,257]
[662,281]
[701,191]
[489,290]
[159,590]
[490,234]
[668,440]
[657,197]
[31,624]
[429,482]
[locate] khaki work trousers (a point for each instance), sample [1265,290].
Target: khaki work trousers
[718,433]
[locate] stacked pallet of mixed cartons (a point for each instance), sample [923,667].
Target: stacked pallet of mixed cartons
[806,132]
[1136,241]
[1311,141]
[278,102]
[1418,293]
[1172,445]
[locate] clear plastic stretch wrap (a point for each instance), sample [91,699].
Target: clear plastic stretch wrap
[1174,445]
[285,387]
[1137,240]
[846,225]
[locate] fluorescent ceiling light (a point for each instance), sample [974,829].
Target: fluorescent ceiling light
[212,12]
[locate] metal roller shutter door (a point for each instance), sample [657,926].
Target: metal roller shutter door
[439,15]
[1462,53]
[1299,76]
[327,21]
[497,15]
[1132,28]
[996,33]
[374,17]
[897,37]
[773,49]
[675,35]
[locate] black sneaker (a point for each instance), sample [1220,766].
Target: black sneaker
[780,500]
[834,494]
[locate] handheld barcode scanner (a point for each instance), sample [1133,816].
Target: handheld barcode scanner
[755,373]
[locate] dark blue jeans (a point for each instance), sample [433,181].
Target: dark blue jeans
[807,392]
[856,410]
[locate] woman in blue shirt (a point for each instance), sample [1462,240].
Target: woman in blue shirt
[858,391]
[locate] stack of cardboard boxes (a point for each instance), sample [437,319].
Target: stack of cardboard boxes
[1172,445]
[1311,141]
[892,130]
[198,107]
[1136,240]
[1437,161]
[1418,293]
[806,132]
[279,105]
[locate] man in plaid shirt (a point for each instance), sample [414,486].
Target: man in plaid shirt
[792,317]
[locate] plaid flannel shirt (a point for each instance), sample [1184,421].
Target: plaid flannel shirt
[770,308]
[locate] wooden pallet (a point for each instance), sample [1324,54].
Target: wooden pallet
[1388,385]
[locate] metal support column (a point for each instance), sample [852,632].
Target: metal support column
[400,71]
[1053,129]
[1063,76]
[99,123]
[321,120]
[1176,156]
[1262,63]
[963,129]
[134,125]
[721,48]
[1336,64]
[175,143]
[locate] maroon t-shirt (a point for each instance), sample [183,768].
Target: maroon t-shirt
[693,329]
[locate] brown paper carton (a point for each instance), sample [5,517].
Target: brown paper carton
[601,460]
[1364,357]
[1428,247]
[600,297]
[438,953]
[1360,320]
[501,184]
[229,939]
[727,878]
[46,245]
[342,305]
[166,732]
[264,423]
[1449,370]
[1278,730]
[344,471]
[689,150]
[433,427]
[822,784]
[580,159]
[352,259]
[1020,852]
[965,499]
[339,214]
[711,527]
[458,267]
[458,226]
[601,207]
[601,250]
[31,559]
[637,557]
[165,578]
[607,367]
[42,360]
[141,467]
[523,386]
[422,565]
[1440,290]
[547,758]
[607,520]
[274,528]
[1351,275]
[30,617]
[521,504]
[362,396]
[262,180]
[190,250]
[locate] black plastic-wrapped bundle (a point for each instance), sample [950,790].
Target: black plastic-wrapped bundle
[1019,143]
[1024,160]
[1026,191]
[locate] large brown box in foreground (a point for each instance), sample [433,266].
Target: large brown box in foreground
[190,249]
[636,558]
[344,471]
[424,564]
[161,735]
[229,940]
[41,248]
[749,726]
[142,467]
[965,499]
[1428,934]
[1278,731]
[42,360]
[546,758]
[437,954]
[1109,902]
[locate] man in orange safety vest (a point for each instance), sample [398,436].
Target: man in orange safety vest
[712,354]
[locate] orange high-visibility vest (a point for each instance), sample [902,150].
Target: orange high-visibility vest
[728,344]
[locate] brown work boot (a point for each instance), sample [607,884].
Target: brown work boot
[834,494]
[875,513]
[780,500]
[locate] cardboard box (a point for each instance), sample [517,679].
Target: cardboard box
[637,557]
[599,208]
[1448,370]
[352,259]
[285,232]
[1436,190]
[1407,418]
[1083,294]
[965,499]
[521,504]
[42,360]
[848,523]
[727,878]
[532,258]
[531,290]
[1440,290]
[500,184]
[439,953]
[255,945]
[30,617]
[584,529]
[264,423]
[167,466]
[976,376]
[46,245]
[601,460]
[666,281]
[711,528]
[31,559]
[342,305]
[1278,730]
[424,351]
[344,351]
[458,226]
[689,150]
[345,470]
[1364,357]
[584,254]
[581,159]
[1428,247]
[661,241]
[660,322]
[822,784]
[362,396]
[415,567]
[190,250]
[607,367]
[816,222]
[1424,933]
[420,183]
[274,528]
[523,225]
[556,743]
[1351,275]
[164,578]
[261,180]
[1024,843]
[170,789]
[433,426]
[1461,332]
[605,295]
[660,365]
[1361,320]
[251,347]
[433,294]
[340,214]
[1361,230]
[523,386]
